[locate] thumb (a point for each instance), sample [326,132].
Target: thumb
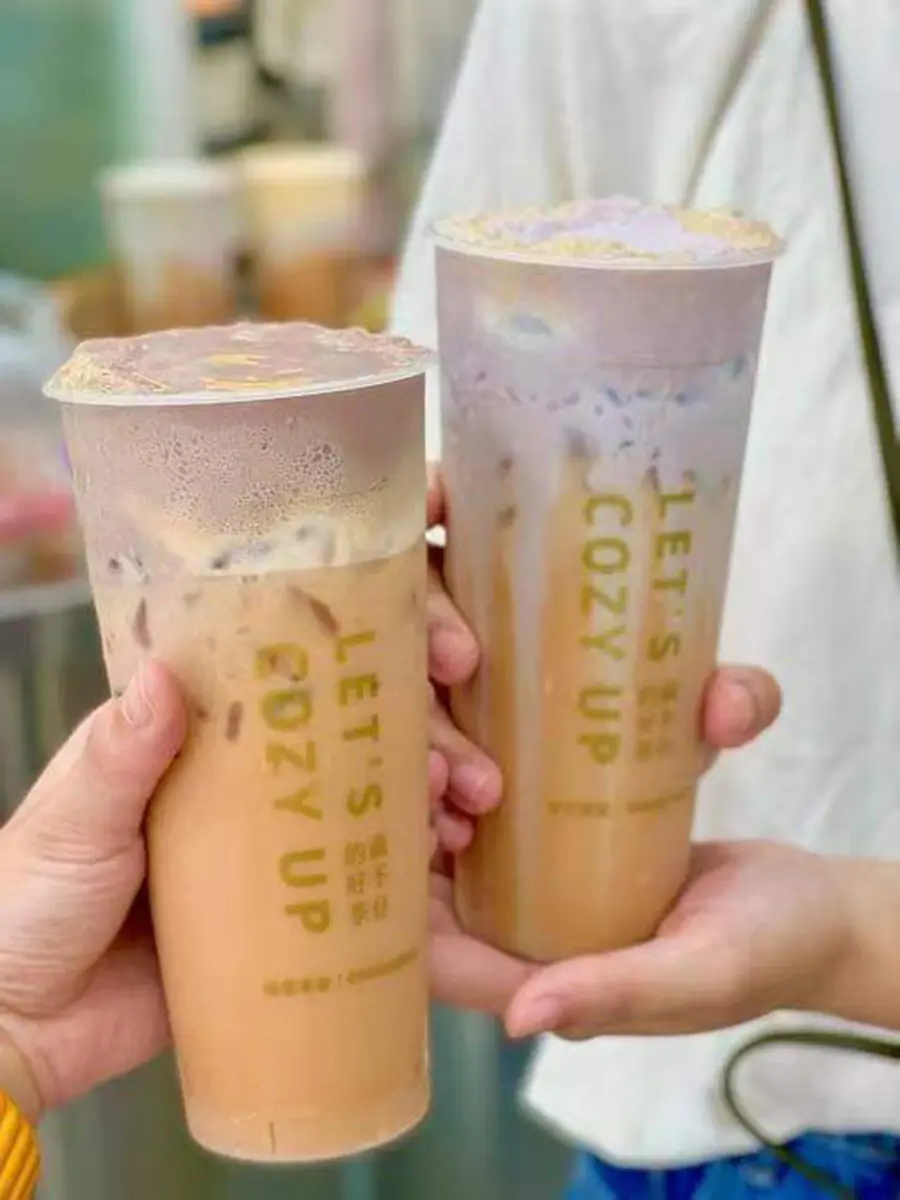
[673,984]
[90,801]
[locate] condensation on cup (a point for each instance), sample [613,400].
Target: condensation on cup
[253,501]
[172,227]
[598,364]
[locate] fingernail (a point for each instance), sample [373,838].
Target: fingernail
[136,708]
[475,782]
[742,707]
[542,1015]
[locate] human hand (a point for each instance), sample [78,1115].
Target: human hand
[80,994]
[464,782]
[739,704]
[758,926]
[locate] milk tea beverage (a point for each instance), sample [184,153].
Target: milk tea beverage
[172,227]
[598,363]
[303,207]
[253,504]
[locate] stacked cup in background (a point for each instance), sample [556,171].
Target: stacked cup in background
[173,234]
[302,206]
[175,229]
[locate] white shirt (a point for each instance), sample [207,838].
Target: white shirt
[707,104]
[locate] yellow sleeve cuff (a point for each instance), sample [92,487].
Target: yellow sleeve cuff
[20,1156]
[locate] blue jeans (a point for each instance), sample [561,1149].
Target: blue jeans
[868,1166]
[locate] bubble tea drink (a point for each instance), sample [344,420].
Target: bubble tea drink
[253,505]
[172,228]
[303,206]
[598,363]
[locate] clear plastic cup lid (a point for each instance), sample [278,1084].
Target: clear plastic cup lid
[281,162]
[616,232]
[233,363]
[164,178]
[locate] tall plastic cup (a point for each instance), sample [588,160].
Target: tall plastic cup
[253,501]
[303,207]
[598,365]
[173,231]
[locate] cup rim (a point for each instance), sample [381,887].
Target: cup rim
[282,163]
[165,178]
[444,238]
[292,387]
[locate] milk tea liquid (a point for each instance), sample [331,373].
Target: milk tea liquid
[172,229]
[303,206]
[596,388]
[288,843]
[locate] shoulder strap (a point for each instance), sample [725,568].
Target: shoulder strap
[879,387]
[882,411]
[851,1043]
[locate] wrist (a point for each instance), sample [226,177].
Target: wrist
[17,1080]
[864,981]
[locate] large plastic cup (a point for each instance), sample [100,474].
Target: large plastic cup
[173,231]
[253,501]
[303,207]
[598,364]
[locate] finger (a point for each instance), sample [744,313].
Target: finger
[466,973]
[474,781]
[740,703]
[442,868]
[435,496]
[452,828]
[452,648]
[438,779]
[91,800]
[455,832]
[666,986]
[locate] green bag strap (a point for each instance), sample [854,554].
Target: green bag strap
[879,388]
[889,446]
[848,1042]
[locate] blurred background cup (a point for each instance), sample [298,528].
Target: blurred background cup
[303,208]
[39,541]
[174,234]
[598,366]
[99,82]
[253,500]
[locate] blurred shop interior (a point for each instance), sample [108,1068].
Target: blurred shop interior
[186,162]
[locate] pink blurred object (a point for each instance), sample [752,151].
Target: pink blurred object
[39,538]
[25,515]
[38,534]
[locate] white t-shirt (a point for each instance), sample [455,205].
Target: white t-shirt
[708,104]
